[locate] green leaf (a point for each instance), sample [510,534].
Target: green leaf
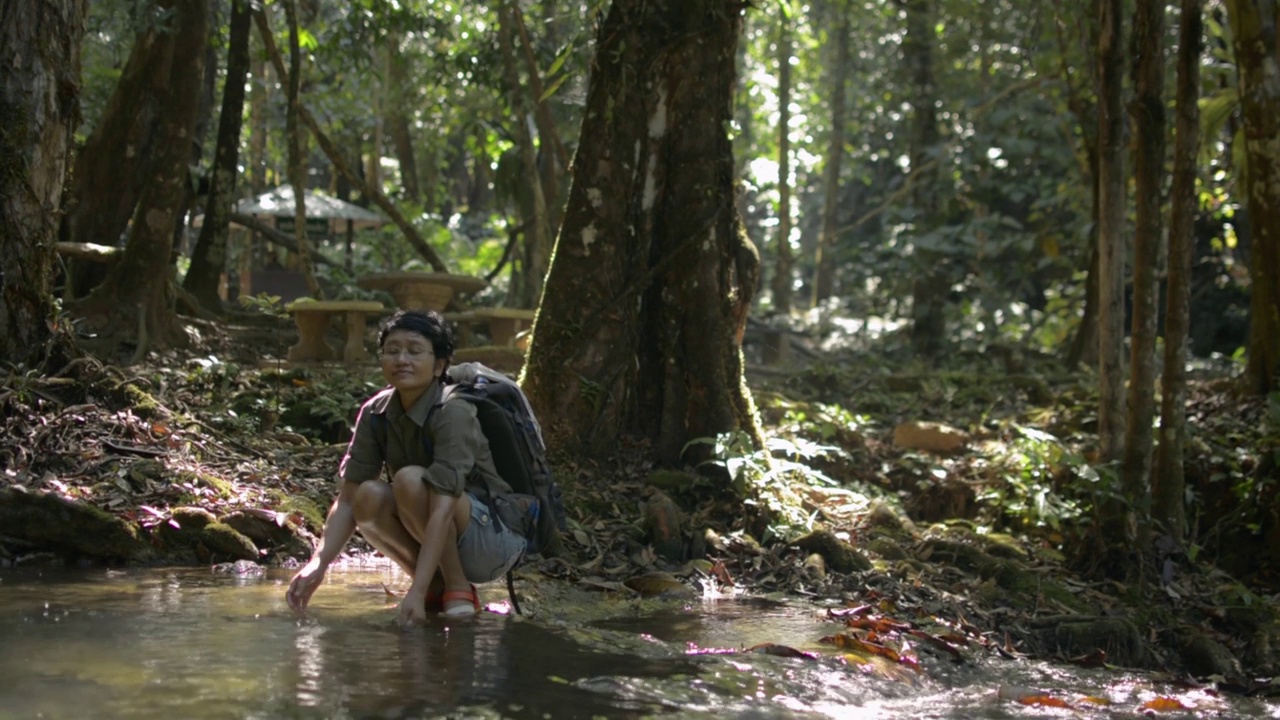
[553,88]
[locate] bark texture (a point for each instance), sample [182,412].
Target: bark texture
[1111,231]
[39,108]
[825,266]
[1168,482]
[640,326]
[1253,33]
[928,294]
[782,283]
[1148,115]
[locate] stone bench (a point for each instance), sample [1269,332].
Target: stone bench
[504,324]
[312,319]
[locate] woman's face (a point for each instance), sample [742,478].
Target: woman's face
[409,363]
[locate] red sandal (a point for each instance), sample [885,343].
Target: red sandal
[461,595]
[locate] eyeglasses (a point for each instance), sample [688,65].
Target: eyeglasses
[391,353]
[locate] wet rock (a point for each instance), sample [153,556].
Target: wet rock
[662,527]
[222,541]
[239,568]
[1203,656]
[269,530]
[840,556]
[67,527]
[815,567]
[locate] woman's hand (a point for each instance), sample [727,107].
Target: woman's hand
[304,584]
[412,609]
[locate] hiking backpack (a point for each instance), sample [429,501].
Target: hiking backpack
[519,454]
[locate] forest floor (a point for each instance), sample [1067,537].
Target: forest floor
[947,508]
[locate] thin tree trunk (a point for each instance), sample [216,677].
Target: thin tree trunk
[1149,123]
[928,295]
[398,118]
[824,274]
[639,330]
[297,162]
[137,296]
[1253,33]
[538,238]
[209,259]
[1168,485]
[783,292]
[39,107]
[261,75]
[1111,232]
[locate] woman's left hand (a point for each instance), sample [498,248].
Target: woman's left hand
[412,610]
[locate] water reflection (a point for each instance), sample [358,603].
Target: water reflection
[188,644]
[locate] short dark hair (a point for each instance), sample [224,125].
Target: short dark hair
[427,323]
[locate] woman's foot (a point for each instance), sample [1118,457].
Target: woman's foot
[461,602]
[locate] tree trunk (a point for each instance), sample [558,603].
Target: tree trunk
[928,295]
[398,118]
[1168,486]
[1148,115]
[261,74]
[137,295]
[783,292]
[640,327]
[537,240]
[116,160]
[1253,33]
[555,158]
[297,161]
[208,260]
[1111,232]
[825,267]
[39,108]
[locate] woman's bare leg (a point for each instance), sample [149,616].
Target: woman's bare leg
[429,515]
[374,507]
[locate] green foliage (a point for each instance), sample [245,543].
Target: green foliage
[1029,471]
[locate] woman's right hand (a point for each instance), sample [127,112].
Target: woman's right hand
[304,584]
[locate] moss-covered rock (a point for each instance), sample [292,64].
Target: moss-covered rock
[222,543]
[1074,635]
[1203,656]
[841,557]
[67,527]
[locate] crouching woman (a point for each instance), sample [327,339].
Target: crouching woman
[428,518]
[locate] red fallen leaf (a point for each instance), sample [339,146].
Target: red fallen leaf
[1163,704]
[721,573]
[852,642]
[781,651]
[1044,701]
[939,642]
[877,624]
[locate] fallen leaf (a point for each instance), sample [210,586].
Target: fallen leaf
[1163,704]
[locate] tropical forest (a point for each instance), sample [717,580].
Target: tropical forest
[889,358]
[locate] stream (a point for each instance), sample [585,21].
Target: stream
[188,643]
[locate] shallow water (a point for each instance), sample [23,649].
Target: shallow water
[185,643]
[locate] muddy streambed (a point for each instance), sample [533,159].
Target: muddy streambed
[188,643]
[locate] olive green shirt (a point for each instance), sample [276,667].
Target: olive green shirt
[446,439]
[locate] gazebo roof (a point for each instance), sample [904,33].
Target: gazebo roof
[280,203]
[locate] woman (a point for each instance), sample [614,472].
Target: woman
[428,517]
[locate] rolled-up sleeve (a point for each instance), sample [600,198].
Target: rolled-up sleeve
[364,458]
[455,432]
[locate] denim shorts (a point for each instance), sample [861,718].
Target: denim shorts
[488,549]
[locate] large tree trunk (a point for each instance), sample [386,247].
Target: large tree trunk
[640,326]
[928,294]
[1149,123]
[117,158]
[297,161]
[783,293]
[825,262]
[39,107]
[138,292]
[1168,486]
[208,260]
[1253,33]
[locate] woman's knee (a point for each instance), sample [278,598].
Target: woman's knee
[371,500]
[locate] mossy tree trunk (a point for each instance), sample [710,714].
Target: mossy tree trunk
[640,325]
[39,108]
